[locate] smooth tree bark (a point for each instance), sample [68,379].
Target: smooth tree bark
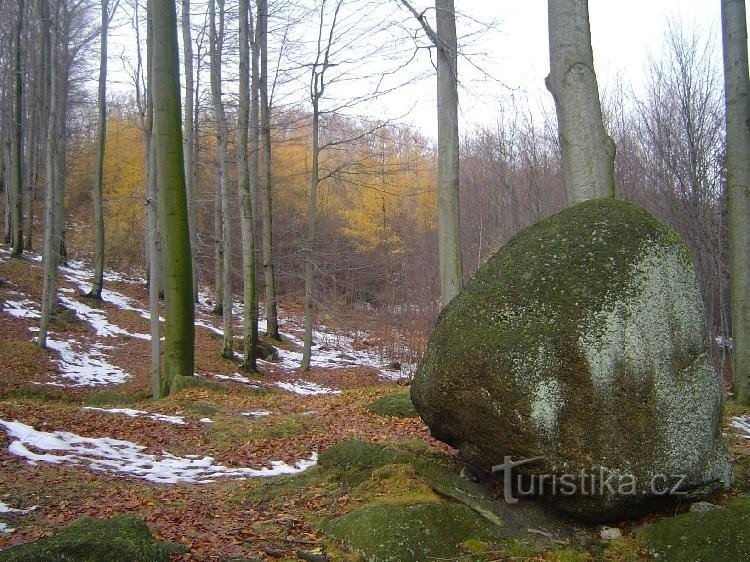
[216,48]
[17,149]
[269,276]
[443,37]
[101,139]
[179,328]
[152,208]
[588,153]
[250,294]
[737,96]
[317,89]
[189,134]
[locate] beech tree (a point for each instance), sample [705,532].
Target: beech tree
[587,150]
[17,145]
[737,96]
[443,37]
[179,327]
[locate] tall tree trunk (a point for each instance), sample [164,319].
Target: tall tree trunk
[50,34]
[272,320]
[217,46]
[588,153]
[152,214]
[17,198]
[101,139]
[737,95]
[449,229]
[250,296]
[189,140]
[179,329]
[312,215]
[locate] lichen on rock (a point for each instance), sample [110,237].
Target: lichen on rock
[581,341]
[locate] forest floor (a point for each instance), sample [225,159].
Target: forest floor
[208,468]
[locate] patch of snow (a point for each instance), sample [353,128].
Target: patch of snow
[236,377]
[256,414]
[105,454]
[98,320]
[176,420]
[206,420]
[5,530]
[306,388]
[21,309]
[743,424]
[4,508]
[85,368]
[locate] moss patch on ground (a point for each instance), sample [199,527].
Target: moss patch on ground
[397,405]
[113,398]
[404,533]
[120,539]
[719,535]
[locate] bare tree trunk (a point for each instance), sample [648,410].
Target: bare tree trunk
[588,153]
[312,213]
[272,320]
[179,329]
[217,45]
[737,95]
[189,140]
[449,226]
[50,34]
[152,214]
[101,139]
[17,152]
[250,297]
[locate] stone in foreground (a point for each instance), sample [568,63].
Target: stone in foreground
[582,342]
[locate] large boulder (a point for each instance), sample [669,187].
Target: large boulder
[582,341]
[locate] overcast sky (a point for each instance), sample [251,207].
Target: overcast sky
[623,34]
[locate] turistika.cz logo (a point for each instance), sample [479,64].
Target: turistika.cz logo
[597,481]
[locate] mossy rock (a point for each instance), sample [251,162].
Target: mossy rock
[358,459]
[719,535]
[120,539]
[397,405]
[395,484]
[406,533]
[582,342]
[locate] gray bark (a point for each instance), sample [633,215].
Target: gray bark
[189,138]
[587,150]
[250,298]
[216,48]
[737,95]
[101,140]
[272,320]
[17,149]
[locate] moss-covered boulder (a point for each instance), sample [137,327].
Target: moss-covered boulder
[719,535]
[120,539]
[410,533]
[582,341]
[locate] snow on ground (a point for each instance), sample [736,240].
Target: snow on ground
[256,414]
[176,420]
[742,423]
[306,388]
[5,530]
[84,368]
[236,377]
[98,319]
[125,458]
[4,508]
[23,308]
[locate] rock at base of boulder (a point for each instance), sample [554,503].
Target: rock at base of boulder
[719,535]
[120,539]
[410,533]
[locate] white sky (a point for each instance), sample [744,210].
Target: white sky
[623,35]
[515,54]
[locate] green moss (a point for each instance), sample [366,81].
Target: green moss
[230,431]
[397,405]
[404,533]
[395,484]
[120,539]
[257,490]
[719,535]
[200,408]
[355,460]
[113,398]
[622,550]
